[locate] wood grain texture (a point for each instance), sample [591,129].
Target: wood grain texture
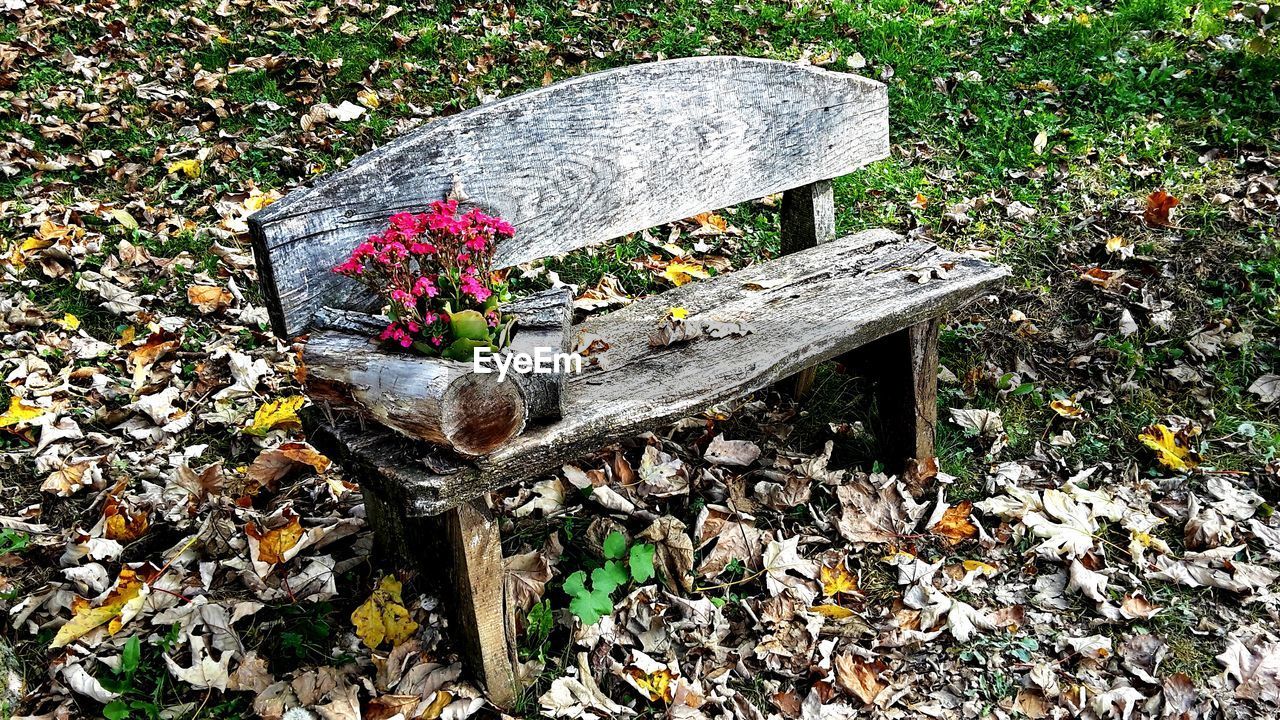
[542,322]
[905,369]
[580,162]
[440,401]
[805,308]
[808,219]
[477,602]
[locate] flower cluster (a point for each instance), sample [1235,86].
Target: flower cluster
[434,271]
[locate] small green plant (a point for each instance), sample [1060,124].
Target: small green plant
[13,541]
[589,605]
[122,708]
[540,622]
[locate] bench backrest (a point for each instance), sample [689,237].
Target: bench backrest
[579,162]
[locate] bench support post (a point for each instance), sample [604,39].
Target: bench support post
[477,603]
[808,219]
[905,366]
[473,585]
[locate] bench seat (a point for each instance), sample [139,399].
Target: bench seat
[802,308]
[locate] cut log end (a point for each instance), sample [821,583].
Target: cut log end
[483,413]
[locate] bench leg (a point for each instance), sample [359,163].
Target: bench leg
[477,606]
[808,219]
[905,366]
[467,540]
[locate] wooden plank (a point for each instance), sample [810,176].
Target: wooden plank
[808,219]
[477,600]
[579,162]
[905,368]
[805,308]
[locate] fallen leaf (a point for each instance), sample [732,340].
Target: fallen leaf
[1159,204]
[209,298]
[274,543]
[955,525]
[837,579]
[1172,449]
[191,168]
[122,522]
[679,272]
[281,413]
[383,617]
[859,677]
[19,413]
[1267,388]
[276,463]
[86,617]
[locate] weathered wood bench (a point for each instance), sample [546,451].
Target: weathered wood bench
[595,158]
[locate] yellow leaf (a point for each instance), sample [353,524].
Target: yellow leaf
[122,523]
[68,322]
[282,413]
[656,684]
[129,334]
[19,412]
[954,525]
[191,168]
[711,223]
[383,617]
[367,98]
[678,313]
[835,612]
[985,568]
[258,200]
[19,252]
[86,618]
[274,544]
[437,706]
[1116,243]
[1084,19]
[1067,408]
[837,580]
[1172,450]
[679,272]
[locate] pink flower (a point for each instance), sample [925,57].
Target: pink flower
[425,286]
[476,289]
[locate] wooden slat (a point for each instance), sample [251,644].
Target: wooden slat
[805,308]
[579,162]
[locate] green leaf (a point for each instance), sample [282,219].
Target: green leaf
[469,324]
[641,562]
[576,584]
[116,710]
[608,578]
[590,607]
[463,349]
[615,545]
[131,655]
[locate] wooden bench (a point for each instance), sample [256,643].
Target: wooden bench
[592,159]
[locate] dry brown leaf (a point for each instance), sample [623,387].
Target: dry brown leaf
[1159,205]
[209,298]
[955,525]
[859,677]
[274,543]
